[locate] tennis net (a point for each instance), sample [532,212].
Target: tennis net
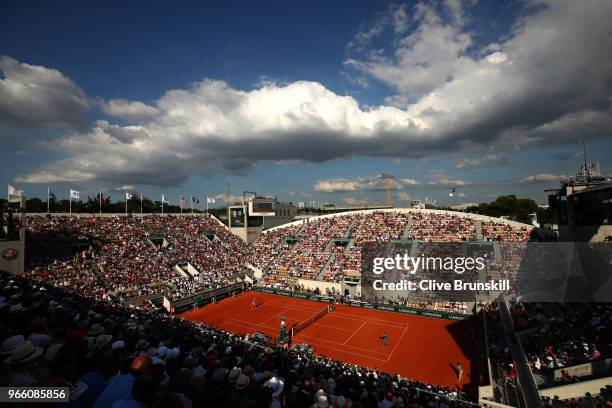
[298,328]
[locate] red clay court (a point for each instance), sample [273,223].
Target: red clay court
[421,348]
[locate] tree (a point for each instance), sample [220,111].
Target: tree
[516,209]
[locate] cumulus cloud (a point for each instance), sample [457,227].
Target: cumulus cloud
[447,183]
[467,163]
[355,202]
[542,178]
[377,183]
[403,196]
[32,95]
[487,158]
[541,75]
[547,81]
[131,110]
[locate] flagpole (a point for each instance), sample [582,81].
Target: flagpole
[181,203]
[140,203]
[70,195]
[206,204]
[191,205]
[126,203]
[162,204]
[100,197]
[47,199]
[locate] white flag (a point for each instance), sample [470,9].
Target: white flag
[128,196]
[74,194]
[210,200]
[164,199]
[14,191]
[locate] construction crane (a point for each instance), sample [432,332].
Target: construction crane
[388,178]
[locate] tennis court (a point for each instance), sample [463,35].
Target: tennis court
[425,349]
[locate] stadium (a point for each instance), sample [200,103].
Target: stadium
[312,204]
[288,315]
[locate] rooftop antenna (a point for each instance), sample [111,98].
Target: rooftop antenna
[586,166]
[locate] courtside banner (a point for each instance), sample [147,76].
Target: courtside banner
[366,305]
[411,272]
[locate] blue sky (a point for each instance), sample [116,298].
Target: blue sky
[305,101]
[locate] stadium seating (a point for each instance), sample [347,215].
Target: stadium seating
[107,353]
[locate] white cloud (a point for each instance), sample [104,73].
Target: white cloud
[425,59]
[447,183]
[546,82]
[542,178]
[377,183]
[232,198]
[403,196]
[131,110]
[355,202]
[32,95]
[467,163]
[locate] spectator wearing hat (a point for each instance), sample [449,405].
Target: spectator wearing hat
[322,402]
[238,397]
[10,344]
[22,365]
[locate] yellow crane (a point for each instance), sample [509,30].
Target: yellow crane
[388,178]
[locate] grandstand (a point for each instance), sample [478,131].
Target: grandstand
[106,290]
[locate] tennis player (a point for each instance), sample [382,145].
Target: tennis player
[384,339]
[253,304]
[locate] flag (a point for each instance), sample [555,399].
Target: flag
[105,200]
[74,194]
[210,200]
[451,193]
[195,200]
[52,195]
[164,199]
[183,201]
[14,191]
[128,196]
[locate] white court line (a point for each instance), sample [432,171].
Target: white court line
[339,346]
[334,346]
[346,352]
[347,315]
[398,342]
[243,323]
[336,313]
[342,348]
[332,327]
[364,323]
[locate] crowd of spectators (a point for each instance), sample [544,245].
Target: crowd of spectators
[111,356]
[125,259]
[311,250]
[63,325]
[557,336]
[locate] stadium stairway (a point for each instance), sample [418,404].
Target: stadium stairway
[531,397]
[349,229]
[408,229]
[479,235]
[321,274]
[101,279]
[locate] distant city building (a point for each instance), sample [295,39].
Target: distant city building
[584,206]
[464,206]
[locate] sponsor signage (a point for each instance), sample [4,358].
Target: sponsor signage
[365,305]
[10,253]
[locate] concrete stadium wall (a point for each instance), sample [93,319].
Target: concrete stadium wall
[476,217]
[577,389]
[321,285]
